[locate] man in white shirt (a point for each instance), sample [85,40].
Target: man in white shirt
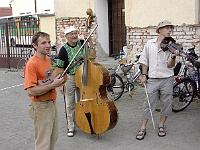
[159,65]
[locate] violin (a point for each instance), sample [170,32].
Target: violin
[53,75]
[50,79]
[170,44]
[95,113]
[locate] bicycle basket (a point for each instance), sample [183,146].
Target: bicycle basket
[126,68]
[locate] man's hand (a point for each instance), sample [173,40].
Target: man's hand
[63,89]
[58,81]
[143,79]
[176,53]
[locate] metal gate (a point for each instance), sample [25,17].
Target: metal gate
[15,41]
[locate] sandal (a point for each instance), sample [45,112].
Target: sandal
[141,134]
[161,131]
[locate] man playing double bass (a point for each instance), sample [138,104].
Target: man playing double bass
[65,56]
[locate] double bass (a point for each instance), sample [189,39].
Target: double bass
[95,113]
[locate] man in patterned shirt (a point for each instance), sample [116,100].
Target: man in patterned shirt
[66,54]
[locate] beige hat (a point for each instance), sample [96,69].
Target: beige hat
[163,24]
[70,29]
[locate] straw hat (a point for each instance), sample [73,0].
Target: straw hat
[163,24]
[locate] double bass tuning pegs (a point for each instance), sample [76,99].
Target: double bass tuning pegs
[90,18]
[89,12]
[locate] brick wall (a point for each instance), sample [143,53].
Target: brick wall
[187,35]
[62,23]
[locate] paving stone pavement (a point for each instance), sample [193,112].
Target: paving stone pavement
[17,133]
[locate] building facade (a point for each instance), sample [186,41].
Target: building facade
[121,23]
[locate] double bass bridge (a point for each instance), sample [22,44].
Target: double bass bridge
[86,99]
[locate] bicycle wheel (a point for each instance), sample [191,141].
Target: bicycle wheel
[20,67]
[115,88]
[183,94]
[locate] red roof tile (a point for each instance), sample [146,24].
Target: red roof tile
[5,11]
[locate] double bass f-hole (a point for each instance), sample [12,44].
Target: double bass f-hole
[97,98]
[83,93]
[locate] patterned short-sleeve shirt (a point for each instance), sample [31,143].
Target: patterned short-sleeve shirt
[67,53]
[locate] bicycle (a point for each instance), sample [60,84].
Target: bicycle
[22,62]
[117,86]
[187,82]
[184,67]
